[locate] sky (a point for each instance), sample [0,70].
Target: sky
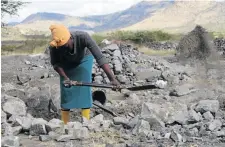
[71,7]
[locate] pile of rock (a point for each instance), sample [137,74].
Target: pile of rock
[164,45]
[220,44]
[195,45]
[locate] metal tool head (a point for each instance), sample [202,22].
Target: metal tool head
[99,96]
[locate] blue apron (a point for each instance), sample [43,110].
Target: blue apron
[78,96]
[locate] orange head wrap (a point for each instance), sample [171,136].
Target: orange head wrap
[60,35]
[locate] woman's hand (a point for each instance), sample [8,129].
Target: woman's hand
[115,83]
[67,82]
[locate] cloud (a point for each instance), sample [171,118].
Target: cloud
[72,7]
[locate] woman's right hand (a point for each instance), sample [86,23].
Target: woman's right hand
[67,82]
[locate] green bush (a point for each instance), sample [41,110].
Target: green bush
[98,38]
[140,36]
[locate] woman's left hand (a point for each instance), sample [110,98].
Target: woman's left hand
[115,83]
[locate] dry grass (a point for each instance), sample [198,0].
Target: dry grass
[152,52]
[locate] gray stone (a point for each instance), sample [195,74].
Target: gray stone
[215,125]
[15,106]
[122,79]
[142,127]
[182,90]
[176,137]
[53,135]
[19,93]
[23,78]
[133,99]
[10,141]
[208,115]
[133,122]
[45,138]
[64,138]
[98,118]
[161,84]
[98,79]
[6,129]
[16,130]
[193,132]
[193,116]
[220,133]
[120,120]
[81,133]
[207,105]
[38,127]
[117,53]
[181,116]
[3,117]
[54,125]
[118,68]
[75,125]
[111,47]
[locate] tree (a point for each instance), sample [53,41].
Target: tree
[10,7]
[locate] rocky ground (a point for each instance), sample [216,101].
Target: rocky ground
[187,109]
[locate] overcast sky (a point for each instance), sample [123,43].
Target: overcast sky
[72,7]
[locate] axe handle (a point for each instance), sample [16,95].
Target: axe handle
[75,83]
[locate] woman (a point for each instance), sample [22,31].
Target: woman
[72,57]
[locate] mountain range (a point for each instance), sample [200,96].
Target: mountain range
[171,16]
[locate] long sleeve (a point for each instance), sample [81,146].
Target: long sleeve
[94,49]
[54,58]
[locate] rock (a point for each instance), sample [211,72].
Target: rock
[54,125]
[23,78]
[207,105]
[118,68]
[64,138]
[181,116]
[220,133]
[38,127]
[45,138]
[120,120]
[182,90]
[98,118]
[19,93]
[122,79]
[117,53]
[193,116]
[10,141]
[106,124]
[24,121]
[45,75]
[53,135]
[16,130]
[215,125]
[111,47]
[208,116]
[75,125]
[133,122]
[6,129]
[161,84]
[98,79]
[142,127]
[133,99]
[3,117]
[81,133]
[151,75]
[15,106]
[176,137]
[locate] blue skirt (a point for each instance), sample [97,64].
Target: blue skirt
[77,96]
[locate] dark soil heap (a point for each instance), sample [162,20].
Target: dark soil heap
[195,45]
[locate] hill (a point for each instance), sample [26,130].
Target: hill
[182,16]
